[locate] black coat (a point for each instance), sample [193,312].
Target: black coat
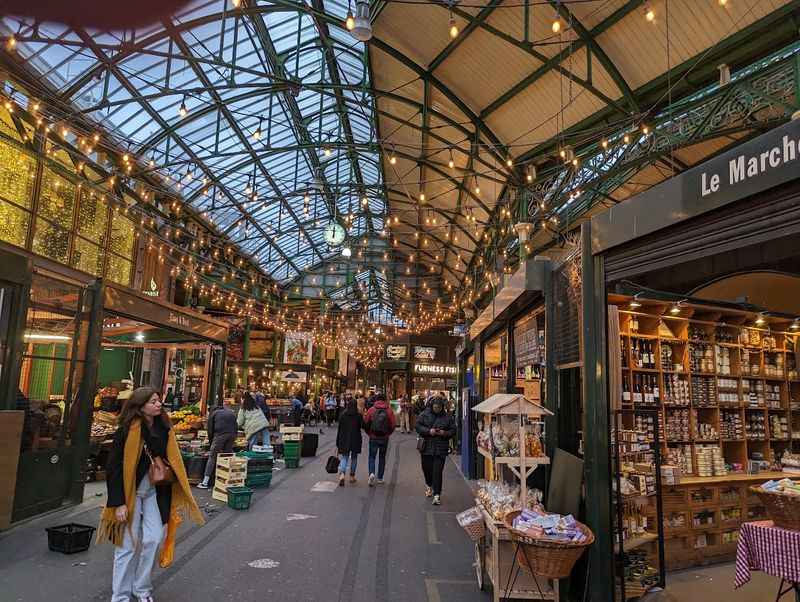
[436,445]
[156,441]
[348,437]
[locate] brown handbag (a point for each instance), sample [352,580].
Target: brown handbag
[160,472]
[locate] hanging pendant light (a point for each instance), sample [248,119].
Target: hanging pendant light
[452,27]
[362,28]
[182,110]
[257,133]
[349,21]
[451,163]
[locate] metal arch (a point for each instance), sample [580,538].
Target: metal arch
[591,42]
[157,117]
[201,75]
[556,60]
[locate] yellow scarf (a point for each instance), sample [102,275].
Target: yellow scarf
[112,531]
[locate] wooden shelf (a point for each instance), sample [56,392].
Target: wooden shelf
[513,460]
[637,542]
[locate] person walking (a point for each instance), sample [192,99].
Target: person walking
[252,420]
[348,441]
[330,409]
[405,414]
[379,422]
[138,507]
[222,428]
[435,426]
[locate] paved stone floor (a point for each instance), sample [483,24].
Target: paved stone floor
[310,542]
[354,543]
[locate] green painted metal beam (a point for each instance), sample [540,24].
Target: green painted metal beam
[473,23]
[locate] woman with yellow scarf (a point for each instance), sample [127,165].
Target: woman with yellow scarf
[137,510]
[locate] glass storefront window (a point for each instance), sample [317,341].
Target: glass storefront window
[494,361]
[17,175]
[87,257]
[123,234]
[119,270]
[92,217]
[14,224]
[51,240]
[57,199]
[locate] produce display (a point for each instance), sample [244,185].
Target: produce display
[187,419]
[104,424]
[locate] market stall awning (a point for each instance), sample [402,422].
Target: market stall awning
[511,403]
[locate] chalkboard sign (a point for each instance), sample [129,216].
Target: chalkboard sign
[529,347]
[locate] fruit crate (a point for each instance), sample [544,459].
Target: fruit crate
[239,497]
[70,538]
[263,479]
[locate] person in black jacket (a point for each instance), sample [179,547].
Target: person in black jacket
[436,427]
[222,429]
[348,440]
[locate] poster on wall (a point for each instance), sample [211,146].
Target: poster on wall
[294,376]
[396,352]
[424,353]
[342,362]
[298,348]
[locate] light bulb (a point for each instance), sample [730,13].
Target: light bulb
[182,110]
[350,21]
[422,196]
[556,26]
[509,162]
[649,14]
[453,27]
[604,143]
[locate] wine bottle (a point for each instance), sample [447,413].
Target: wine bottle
[626,390]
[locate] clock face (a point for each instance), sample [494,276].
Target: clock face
[334,234]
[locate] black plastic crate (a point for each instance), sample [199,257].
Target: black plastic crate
[70,538]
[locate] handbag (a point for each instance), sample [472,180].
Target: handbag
[420,444]
[160,472]
[332,465]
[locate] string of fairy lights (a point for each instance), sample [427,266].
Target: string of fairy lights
[201,258]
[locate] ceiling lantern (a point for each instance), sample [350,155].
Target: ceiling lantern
[362,28]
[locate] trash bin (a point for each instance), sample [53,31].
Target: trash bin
[310,444]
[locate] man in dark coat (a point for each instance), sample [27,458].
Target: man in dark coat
[348,440]
[436,427]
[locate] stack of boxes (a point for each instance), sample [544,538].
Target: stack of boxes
[231,472]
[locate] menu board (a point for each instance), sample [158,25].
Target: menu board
[529,347]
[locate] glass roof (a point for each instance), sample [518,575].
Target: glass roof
[263,120]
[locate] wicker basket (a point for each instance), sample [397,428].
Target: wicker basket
[784,510]
[546,557]
[475,529]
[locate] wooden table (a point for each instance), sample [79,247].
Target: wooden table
[495,561]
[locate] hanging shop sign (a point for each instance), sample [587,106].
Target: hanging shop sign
[396,352]
[424,353]
[765,162]
[158,313]
[434,369]
[298,348]
[294,376]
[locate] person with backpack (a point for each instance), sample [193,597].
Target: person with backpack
[435,427]
[348,440]
[330,409]
[379,422]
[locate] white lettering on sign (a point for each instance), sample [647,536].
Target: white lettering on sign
[178,319]
[742,168]
[434,369]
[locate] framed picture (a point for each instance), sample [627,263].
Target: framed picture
[424,353]
[396,352]
[297,349]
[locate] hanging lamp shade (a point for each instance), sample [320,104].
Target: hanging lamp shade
[362,30]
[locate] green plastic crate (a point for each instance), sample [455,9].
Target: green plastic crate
[292,462]
[259,480]
[239,497]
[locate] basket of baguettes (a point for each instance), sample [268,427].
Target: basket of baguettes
[549,544]
[781,500]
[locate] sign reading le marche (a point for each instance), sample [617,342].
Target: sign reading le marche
[766,161]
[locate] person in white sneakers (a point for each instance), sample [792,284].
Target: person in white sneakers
[436,427]
[222,429]
[348,440]
[379,422]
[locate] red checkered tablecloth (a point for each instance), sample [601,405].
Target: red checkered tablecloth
[765,547]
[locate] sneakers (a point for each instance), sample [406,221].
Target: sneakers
[371,481]
[437,501]
[203,485]
[428,492]
[352,478]
[380,481]
[341,480]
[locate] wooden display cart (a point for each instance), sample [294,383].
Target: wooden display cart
[495,553]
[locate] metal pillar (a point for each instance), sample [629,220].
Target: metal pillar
[596,423]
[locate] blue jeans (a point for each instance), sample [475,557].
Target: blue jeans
[343,459]
[378,447]
[262,435]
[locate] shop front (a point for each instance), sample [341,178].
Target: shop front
[691,291]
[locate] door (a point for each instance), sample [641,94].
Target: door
[55,392]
